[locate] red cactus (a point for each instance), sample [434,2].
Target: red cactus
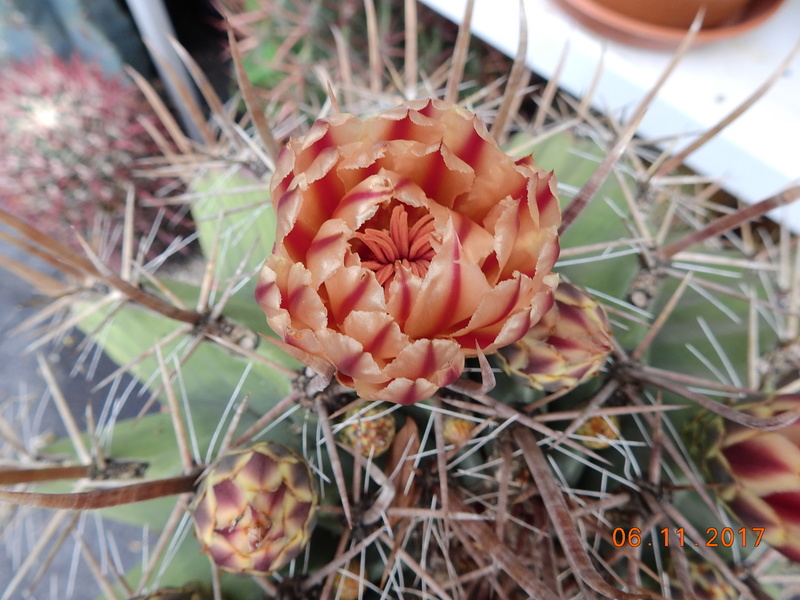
[71,139]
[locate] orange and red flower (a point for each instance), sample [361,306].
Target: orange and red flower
[406,243]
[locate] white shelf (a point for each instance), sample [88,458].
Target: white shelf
[755,157]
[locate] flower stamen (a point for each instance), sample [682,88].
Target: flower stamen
[399,246]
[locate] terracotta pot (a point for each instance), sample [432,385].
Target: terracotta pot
[659,24]
[677,13]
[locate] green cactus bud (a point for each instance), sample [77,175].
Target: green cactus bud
[566,347]
[255,509]
[759,472]
[372,430]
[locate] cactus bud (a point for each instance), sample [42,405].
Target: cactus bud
[255,509]
[566,347]
[190,591]
[759,472]
[372,430]
[601,430]
[349,585]
[457,430]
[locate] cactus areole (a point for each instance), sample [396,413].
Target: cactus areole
[406,243]
[255,509]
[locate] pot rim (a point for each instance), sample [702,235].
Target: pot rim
[628,30]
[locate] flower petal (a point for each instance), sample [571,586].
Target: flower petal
[285,294]
[326,252]
[434,169]
[378,333]
[438,361]
[766,463]
[403,391]
[361,202]
[353,289]
[349,358]
[449,293]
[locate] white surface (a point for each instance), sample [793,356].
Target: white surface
[755,157]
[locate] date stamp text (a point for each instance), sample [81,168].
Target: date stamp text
[727,537]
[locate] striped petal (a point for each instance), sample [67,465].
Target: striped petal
[496,307]
[353,289]
[326,252]
[449,294]
[766,463]
[349,358]
[285,294]
[438,361]
[441,175]
[403,391]
[378,333]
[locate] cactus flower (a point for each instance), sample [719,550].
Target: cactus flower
[255,509]
[406,243]
[566,347]
[760,473]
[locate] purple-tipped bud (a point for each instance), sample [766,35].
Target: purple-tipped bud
[566,347]
[759,472]
[255,509]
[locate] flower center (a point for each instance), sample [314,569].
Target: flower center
[399,246]
[257,529]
